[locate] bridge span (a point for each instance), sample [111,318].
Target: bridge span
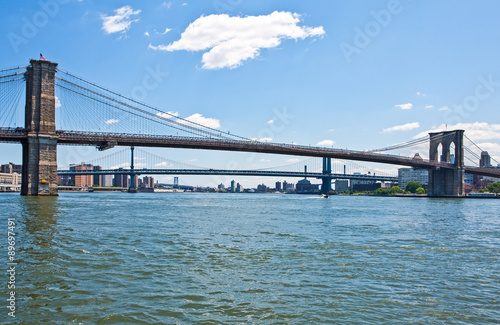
[40,136]
[224,172]
[108,140]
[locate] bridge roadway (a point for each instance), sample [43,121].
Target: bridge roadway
[107,140]
[223,172]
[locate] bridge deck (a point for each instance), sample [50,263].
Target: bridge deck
[224,172]
[105,139]
[110,139]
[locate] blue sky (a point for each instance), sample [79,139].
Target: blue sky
[347,74]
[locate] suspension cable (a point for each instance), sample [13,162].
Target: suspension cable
[217,132]
[480,149]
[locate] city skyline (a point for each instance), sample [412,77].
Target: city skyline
[358,75]
[12,174]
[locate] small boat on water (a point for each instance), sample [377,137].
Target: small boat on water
[325,196]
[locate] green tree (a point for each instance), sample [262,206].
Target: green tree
[493,187]
[420,190]
[412,186]
[395,189]
[381,191]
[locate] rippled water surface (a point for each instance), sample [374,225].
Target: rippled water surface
[191,258]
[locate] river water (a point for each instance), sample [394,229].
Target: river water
[189,258]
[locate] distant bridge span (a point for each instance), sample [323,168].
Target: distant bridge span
[223,172]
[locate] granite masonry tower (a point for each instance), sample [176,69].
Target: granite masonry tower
[40,147]
[447,182]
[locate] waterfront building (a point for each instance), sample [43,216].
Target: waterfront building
[367,186]
[261,188]
[97,178]
[239,188]
[406,175]
[387,185]
[11,168]
[485,160]
[469,179]
[121,180]
[278,186]
[304,186]
[482,181]
[149,182]
[288,187]
[10,182]
[10,178]
[233,186]
[6,169]
[107,180]
[362,185]
[82,180]
[341,185]
[65,180]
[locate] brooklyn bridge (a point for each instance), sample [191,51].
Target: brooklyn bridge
[88,105]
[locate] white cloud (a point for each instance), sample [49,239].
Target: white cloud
[404,127]
[184,4]
[146,33]
[444,108]
[167,4]
[112,121]
[162,164]
[293,160]
[429,106]
[120,22]
[159,33]
[485,135]
[331,130]
[196,118]
[489,146]
[200,119]
[266,139]
[270,122]
[167,114]
[58,102]
[264,160]
[232,40]
[404,106]
[122,165]
[493,149]
[477,131]
[326,143]
[421,94]
[139,165]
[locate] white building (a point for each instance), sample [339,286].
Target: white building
[107,180]
[406,175]
[11,178]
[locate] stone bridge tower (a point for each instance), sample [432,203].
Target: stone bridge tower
[40,147]
[447,182]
